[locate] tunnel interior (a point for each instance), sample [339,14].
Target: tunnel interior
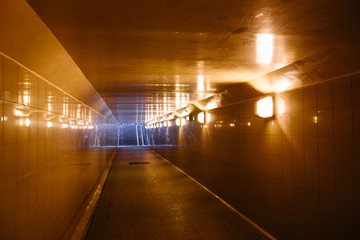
[256,102]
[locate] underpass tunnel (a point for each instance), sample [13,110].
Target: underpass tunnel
[179,119]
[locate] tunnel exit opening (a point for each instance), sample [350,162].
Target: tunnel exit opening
[132,135]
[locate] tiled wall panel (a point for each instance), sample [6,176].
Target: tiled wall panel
[297,175]
[50,156]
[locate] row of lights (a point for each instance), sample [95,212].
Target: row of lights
[49,124]
[263,108]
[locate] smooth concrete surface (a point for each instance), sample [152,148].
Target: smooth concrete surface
[297,174]
[157,201]
[50,155]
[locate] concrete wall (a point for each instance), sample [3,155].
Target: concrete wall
[50,157]
[297,175]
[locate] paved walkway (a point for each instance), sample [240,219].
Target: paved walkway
[147,198]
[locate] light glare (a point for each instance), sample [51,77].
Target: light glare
[265,107]
[264,48]
[201,117]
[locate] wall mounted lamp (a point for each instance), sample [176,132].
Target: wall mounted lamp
[265,107]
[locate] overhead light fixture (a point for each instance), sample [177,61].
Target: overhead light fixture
[264,47]
[265,107]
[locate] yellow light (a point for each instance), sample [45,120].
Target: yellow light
[178,122]
[264,47]
[232,124]
[64,125]
[18,113]
[91,127]
[183,121]
[49,107]
[201,117]
[49,124]
[315,119]
[249,124]
[208,117]
[27,122]
[200,83]
[265,107]
[26,98]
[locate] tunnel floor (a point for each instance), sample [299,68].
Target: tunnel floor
[145,197]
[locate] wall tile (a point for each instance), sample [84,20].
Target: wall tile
[286,123]
[7,207]
[326,150]
[309,98]
[34,91]
[285,100]
[299,175]
[345,203]
[298,147]
[312,177]
[10,124]
[355,89]
[343,122]
[310,123]
[324,95]
[1,121]
[325,123]
[297,104]
[311,149]
[286,144]
[297,122]
[344,152]
[10,81]
[356,121]
[9,158]
[342,92]
[22,199]
[23,123]
[1,77]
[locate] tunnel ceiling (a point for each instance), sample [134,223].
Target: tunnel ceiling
[150,57]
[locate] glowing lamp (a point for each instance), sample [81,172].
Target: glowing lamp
[27,122]
[201,117]
[183,121]
[178,122]
[265,107]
